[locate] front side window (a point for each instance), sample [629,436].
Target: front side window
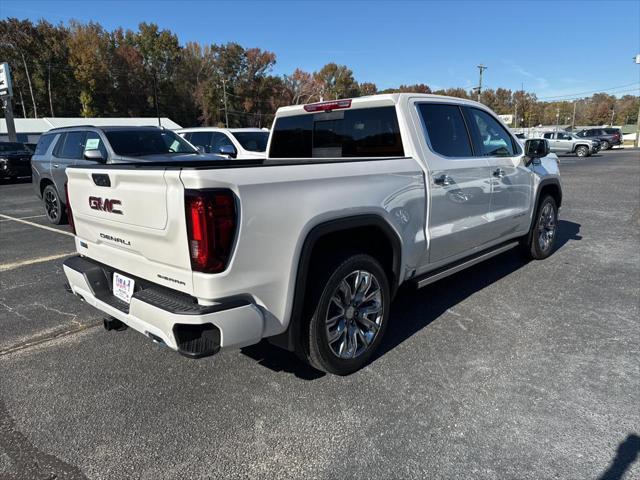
[364,132]
[494,140]
[446,129]
[94,142]
[220,140]
[252,141]
[564,136]
[201,139]
[137,143]
[73,145]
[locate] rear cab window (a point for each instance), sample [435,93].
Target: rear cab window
[357,132]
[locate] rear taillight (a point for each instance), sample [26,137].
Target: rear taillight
[211,228]
[72,225]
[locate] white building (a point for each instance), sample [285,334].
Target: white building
[28,130]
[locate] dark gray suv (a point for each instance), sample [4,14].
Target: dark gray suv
[62,147]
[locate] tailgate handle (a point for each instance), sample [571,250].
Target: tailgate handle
[101,179]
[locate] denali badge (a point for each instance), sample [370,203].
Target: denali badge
[105,205]
[115,239]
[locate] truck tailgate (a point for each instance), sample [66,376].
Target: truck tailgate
[134,221]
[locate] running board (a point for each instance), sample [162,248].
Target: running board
[467,262]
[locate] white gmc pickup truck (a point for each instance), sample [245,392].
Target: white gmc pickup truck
[308,246]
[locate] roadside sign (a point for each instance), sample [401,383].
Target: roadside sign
[5,81]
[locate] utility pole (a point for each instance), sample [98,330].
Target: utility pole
[636,59]
[482,68]
[6,94]
[557,118]
[573,121]
[226,111]
[613,112]
[8,117]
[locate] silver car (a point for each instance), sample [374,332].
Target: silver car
[60,148]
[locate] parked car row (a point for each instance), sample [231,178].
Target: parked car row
[581,143]
[608,137]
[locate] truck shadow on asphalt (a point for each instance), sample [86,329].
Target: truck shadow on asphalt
[413,310]
[626,454]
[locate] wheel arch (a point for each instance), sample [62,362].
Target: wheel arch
[43,184]
[322,237]
[548,186]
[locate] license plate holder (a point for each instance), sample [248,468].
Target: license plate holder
[123,287]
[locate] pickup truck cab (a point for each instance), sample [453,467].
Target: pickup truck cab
[308,246]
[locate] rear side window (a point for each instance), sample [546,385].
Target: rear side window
[43,144]
[446,129]
[73,145]
[548,135]
[365,132]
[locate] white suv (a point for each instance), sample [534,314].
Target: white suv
[231,142]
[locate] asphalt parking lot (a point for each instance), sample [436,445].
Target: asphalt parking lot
[507,370]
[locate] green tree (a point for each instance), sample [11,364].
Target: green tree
[336,81]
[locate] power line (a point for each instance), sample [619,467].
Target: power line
[590,91]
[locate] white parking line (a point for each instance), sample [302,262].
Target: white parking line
[10,266]
[44,227]
[22,218]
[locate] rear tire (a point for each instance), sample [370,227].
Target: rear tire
[349,305]
[605,145]
[540,242]
[54,209]
[582,151]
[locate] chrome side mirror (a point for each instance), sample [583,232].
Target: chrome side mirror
[94,155]
[228,150]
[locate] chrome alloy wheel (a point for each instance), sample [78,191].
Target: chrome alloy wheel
[546,227]
[355,314]
[51,205]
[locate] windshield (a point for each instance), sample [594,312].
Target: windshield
[12,147]
[252,141]
[137,143]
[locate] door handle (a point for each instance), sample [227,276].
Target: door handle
[443,180]
[55,165]
[498,173]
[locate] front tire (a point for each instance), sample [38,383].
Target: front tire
[540,242]
[54,209]
[582,151]
[350,301]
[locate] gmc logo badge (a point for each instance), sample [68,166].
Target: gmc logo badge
[105,205]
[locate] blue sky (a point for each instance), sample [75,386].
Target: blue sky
[556,48]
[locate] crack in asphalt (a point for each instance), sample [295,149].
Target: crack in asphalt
[26,459]
[44,339]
